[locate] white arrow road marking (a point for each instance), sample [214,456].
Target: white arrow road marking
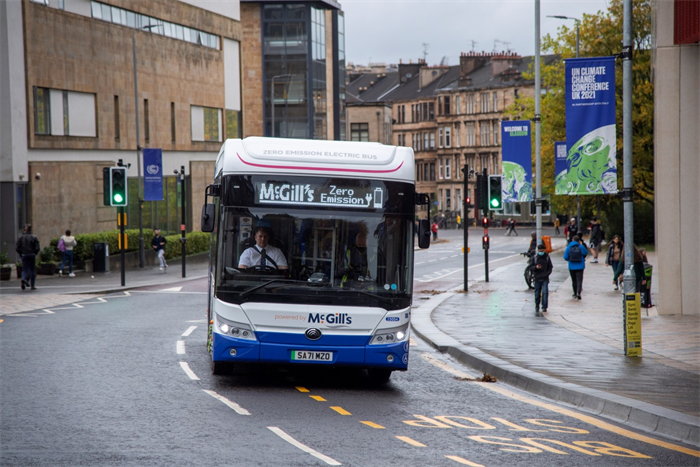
[189,331]
[186,368]
[239,410]
[180,348]
[303,447]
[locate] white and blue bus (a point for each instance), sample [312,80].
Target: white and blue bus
[312,253]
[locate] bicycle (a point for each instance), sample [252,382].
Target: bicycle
[529,274]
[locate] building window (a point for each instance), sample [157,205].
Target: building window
[471,107]
[440,200]
[440,137]
[484,102]
[447,105]
[432,171]
[117,129]
[172,122]
[448,140]
[42,111]
[457,104]
[448,200]
[128,18]
[485,130]
[146,122]
[456,135]
[440,105]
[448,169]
[432,139]
[431,111]
[471,134]
[495,101]
[426,172]
[511,209]
[64,113]
[206,123]
[440,172]
[496,129]
[233,124]
[516,93]
[359,132]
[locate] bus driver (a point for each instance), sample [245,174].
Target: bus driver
[262,253]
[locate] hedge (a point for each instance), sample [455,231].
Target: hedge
[197,242]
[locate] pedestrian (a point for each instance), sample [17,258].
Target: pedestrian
[158,243]
[637,266]
[512,227]
[614,256]
[542,268]
[596,236]
[573,230]
[533,242]
[28,248]
[575,254]
[434,229]
[459,222]
[65,245]
[556,226]
[508,227]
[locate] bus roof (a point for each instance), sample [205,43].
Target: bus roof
[258,155]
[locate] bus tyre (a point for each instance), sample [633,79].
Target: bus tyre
[377,375]
[221,368]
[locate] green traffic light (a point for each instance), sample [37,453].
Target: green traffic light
[118,198]
[495,203]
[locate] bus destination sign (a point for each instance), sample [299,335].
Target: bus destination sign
[273,192]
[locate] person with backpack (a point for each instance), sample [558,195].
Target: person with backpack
[575,254]
[65,245]
[542,268]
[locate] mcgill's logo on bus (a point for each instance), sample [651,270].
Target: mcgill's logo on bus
[330,318]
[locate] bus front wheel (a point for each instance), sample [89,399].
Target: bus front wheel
[378,375]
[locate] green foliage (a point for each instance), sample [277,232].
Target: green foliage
[600,35]
[197,242]
[612,220]
[47,255]
[4,259]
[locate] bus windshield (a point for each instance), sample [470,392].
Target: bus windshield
[308,252]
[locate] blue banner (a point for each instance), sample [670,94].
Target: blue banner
[517,161]
[152,174]
[560,165]
[591,165]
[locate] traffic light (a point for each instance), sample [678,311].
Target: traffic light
[468,202]
[485,242]
[117,187]
[482,192]
[485,222]
[495,192]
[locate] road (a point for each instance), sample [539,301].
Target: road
[125,380]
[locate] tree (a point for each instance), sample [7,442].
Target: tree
[600,35]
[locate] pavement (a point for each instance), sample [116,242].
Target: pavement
[573,354]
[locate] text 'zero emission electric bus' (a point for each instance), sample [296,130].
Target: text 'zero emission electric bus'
[312,253]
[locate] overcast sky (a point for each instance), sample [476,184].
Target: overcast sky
[389,30]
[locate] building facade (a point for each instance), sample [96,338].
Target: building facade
[294,62]
[68,105]
[676,56]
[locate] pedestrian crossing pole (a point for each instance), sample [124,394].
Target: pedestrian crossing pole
[121,220]
[465,223]
[183,239]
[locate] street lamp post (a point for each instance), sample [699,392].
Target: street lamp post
[272,100]
[578,197]
[142,255]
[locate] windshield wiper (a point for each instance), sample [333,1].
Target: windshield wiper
[249,291]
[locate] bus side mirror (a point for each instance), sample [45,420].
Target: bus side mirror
[423,233]
[208,211]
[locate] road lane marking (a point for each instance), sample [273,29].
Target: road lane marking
[171,289]
[318,398]
[464,461]
[412,442]
[373,425]
[340,410]
[186,368]
[302,389]
[303,447]
[180,348]
[237,408]
[189,331]
[584,418]
[444,366]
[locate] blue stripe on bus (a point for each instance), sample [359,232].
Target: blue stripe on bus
[300,339]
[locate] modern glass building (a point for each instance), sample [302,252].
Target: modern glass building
[302,64]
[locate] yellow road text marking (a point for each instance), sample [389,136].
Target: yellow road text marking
[410,441]
[302,389]
[372,424]
[340,410]
[318,398]
[464,461]
[584,418]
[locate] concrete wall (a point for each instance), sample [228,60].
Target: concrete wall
[676,167]
[252,75]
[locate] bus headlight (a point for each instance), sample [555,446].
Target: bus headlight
[234,329]
[390,335]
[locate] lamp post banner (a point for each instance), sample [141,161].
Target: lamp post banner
[516,147]
[152,174]
[591,164]
[560,165]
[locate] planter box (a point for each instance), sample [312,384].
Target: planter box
[46,269]
[5,273]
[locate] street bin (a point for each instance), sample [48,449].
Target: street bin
[547,240]
[645,290]
[100,262]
